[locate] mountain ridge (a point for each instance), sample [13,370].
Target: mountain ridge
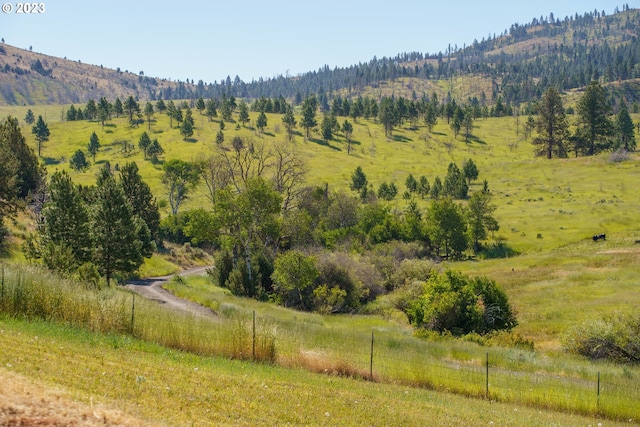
[517,65]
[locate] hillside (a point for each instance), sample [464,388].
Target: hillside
[519,65]
[30,78]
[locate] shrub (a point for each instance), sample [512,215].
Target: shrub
[461,305]
[616,339]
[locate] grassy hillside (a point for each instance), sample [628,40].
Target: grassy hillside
[547,210]
[166,387]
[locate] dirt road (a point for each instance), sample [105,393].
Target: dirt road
[151,288]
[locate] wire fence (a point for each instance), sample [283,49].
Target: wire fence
[375,356]
[383,360]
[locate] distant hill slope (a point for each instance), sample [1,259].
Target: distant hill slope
[33,78]
[518,65]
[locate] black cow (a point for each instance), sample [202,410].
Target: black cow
[599,236]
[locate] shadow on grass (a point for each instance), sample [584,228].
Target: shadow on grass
[192,140]
[324,143]
[439,133]
[51,161]
[110,125]
[401,138]
[497,251]
[476,140]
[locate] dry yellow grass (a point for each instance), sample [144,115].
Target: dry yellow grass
[24,402]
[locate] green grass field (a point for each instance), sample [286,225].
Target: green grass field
[547,211]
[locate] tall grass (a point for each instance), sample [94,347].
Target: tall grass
[341,345]
[28,292]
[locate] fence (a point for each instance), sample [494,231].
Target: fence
[376,356]
[382,358]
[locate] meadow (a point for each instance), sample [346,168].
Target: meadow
[547,210]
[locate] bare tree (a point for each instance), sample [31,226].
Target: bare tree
[289,172]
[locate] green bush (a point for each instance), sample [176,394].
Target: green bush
[459,304]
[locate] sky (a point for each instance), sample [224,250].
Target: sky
[210,40]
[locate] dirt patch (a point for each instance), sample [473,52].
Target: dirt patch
[25,403]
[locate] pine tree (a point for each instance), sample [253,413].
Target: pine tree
[41,132]
[186,128]
[139,195]
[289,122]
[347,128]
[243,113]
[261,121]
[29,118]
[120,239]
[148,111]
[94,146]
[309,106]
[66,225]
[79,161]
[594,126]
[470,171]
[553,129]
[144,142]
[131,107]
[154,150]
[624,130]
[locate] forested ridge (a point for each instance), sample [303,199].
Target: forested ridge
[518,64]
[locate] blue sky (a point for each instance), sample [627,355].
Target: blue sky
[208,40]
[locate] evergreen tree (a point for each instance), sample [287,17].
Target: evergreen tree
[120,239]
[347,128]
[132,107]
[41,132]
[79,161]
[327,127]
[148,111]
[470,171]
[594,127]
[219,137]
[411,184]
[309,106]
[211,109]
[552,126]
[94,145]
[243,113]
[118,109]
[29,118]
[200,105]
[171,112]
[436,188]
[261,121]
[139,195]
[91,110]
[104,110]
[186,128]
[143,143]
[624,130]
[358,180]
[66,225]
[423,187]
[27,174]
[455,185]
[289,122]
[154,150]
[71,115]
